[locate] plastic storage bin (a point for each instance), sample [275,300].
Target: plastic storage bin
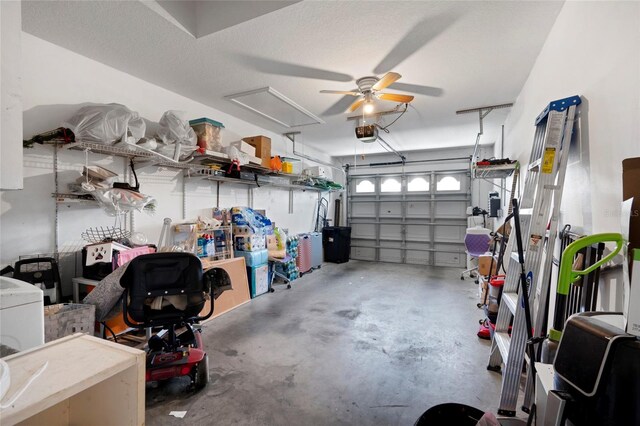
[258,277]
[65,319]
[208,132]
[336,242]
[253,258]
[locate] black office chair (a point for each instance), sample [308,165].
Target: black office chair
[178,277]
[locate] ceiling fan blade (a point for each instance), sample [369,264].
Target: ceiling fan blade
[418,36]
[270,66]
[386,80]
[354,106]
[394,97]
[417,88]
[341,92]
[339,107]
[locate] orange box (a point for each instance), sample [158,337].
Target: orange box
[262,145]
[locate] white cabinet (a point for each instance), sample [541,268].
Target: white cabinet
[87,381]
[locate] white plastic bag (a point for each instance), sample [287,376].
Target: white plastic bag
[174,129]
[106,124]
[117,200]
[235,154]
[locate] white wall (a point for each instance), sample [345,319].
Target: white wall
[593,50]
[56,83]
[10,96]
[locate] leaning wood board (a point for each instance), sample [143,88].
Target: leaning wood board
[239,293]
[88,381]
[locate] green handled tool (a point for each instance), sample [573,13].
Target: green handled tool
[568,276]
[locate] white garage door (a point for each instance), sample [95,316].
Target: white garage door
[417,217]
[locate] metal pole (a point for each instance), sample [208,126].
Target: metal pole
[386,145]
[56,229]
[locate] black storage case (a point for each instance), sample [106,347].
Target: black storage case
[336,242]
[599,365]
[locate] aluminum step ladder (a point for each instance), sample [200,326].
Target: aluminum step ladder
[539,207]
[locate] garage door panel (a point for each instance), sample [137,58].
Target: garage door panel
[363,253]
[416,257]
[450,255]
[391,255]
[390,231]
[451,209]
[417,245]
[418,209]
[363,230]
[390,209]
[363,209]
[450,233]
[418,232]
[363,249]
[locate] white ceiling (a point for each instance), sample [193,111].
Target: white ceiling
[463,54]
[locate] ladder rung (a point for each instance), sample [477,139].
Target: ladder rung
[535,166]
[503,341]
[510,299]
[525,212]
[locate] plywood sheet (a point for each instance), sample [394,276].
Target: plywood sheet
[239,293]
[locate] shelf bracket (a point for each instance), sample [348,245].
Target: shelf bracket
[290,201]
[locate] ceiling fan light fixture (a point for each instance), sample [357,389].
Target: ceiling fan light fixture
[368,107]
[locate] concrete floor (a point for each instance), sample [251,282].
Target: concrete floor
[358,343]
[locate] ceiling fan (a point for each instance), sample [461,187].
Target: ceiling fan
[417,37]
[370,88]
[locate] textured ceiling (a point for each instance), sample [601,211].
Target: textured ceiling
[452,55]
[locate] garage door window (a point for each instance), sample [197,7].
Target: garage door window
[365,186]
[448,183]
[418,184]
[391,185]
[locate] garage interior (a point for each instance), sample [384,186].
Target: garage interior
[363,212]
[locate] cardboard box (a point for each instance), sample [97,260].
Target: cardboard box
[483,290]
[262,145]
[484,263]
[633,320]
[318,172]
[244,147]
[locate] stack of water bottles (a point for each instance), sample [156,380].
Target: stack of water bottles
[290,269]
[250,230]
